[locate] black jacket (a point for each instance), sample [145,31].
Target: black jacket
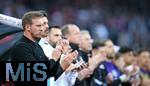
[27,50]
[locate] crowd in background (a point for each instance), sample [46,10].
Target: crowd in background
[125,22]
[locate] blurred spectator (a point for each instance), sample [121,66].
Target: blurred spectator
[100,31]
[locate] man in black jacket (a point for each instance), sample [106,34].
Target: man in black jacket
[27,48]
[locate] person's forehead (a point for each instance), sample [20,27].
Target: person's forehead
[45,19]
[110,43]
[86,36]
[55,30]
[102,48]
[130,53]
[37,20]
[145,53]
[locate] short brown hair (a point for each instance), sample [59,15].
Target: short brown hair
[44,13]
[27,18]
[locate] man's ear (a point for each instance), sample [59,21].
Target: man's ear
[28,27]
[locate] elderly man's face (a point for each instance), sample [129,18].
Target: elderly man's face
[74,34]
[86,42]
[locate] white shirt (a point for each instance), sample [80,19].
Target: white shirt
[47,48]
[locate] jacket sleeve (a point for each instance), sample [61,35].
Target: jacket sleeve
[55,69]
[99,76]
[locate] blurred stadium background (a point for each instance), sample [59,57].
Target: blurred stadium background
[125,22]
